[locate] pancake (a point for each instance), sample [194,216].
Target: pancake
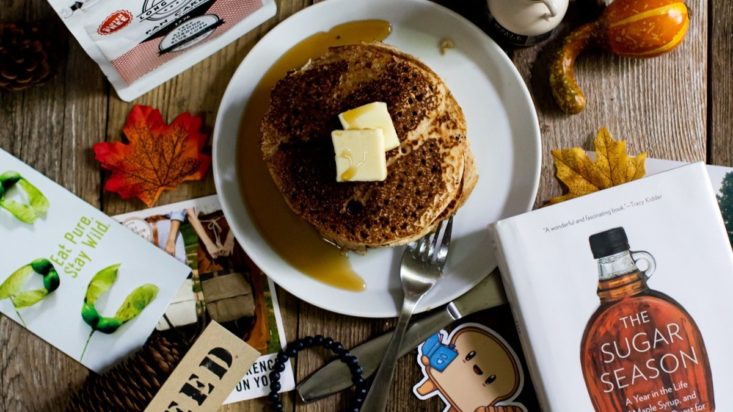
[430,175]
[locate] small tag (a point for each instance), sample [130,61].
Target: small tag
[207,374]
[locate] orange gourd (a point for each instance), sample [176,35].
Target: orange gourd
[636,28]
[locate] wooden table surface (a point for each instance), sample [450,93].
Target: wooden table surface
[678,106]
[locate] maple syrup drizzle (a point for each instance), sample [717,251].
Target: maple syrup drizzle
[292,238]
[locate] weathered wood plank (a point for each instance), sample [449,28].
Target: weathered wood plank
[721,83]
[658,105]
[51,127]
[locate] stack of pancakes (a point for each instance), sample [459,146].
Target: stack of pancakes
[429,176]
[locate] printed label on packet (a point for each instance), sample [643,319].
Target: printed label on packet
[114,22]
[160,29]
[139,44]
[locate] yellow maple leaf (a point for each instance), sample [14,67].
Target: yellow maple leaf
[613,166]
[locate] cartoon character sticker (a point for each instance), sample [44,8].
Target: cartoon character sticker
[472,369]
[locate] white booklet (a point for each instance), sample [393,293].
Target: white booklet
[224,285]
[73,276]
[716,173]
[622,297]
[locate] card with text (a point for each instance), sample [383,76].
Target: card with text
[72,275]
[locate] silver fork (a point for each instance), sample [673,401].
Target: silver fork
[422,264]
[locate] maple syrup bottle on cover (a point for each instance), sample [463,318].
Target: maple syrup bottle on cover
[641,351]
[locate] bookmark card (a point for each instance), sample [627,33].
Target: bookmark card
[74,276]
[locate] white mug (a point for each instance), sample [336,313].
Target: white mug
[550,4]
[524,22]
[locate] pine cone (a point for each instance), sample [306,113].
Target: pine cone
[132,384]
[23,56]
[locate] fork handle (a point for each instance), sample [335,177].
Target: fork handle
[376,399]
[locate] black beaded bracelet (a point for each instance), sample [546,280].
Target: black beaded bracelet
[292,350]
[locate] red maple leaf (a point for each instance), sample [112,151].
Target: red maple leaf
[157,156]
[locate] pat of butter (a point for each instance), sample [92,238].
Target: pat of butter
[360,155]
[372,116]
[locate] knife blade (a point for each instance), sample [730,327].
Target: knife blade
[335,376]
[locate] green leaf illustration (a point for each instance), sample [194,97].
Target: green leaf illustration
[29,298]
[9,178]
[14,283]
[108,325]
[36,206]
[134,303]
[37,200]
[12,287]
[101,283]
[22,212]
[90,315]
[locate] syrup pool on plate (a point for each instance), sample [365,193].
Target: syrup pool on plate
[292,238]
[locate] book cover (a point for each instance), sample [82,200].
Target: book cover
[224,285]
[73,276]
[622,296]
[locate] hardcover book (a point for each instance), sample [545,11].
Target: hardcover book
[72,275]
[622,297]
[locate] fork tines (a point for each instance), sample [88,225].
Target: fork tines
[434,246]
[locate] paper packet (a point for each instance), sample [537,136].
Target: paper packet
[139,44]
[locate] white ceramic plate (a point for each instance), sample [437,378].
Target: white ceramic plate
[502,129]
